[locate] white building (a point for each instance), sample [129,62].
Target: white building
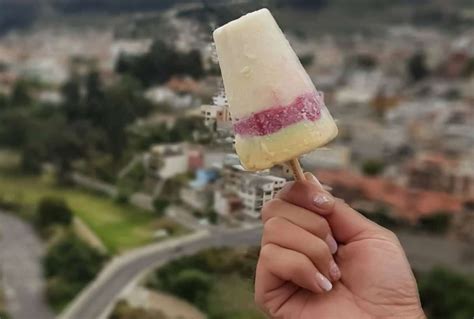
[167,160]
[256,190]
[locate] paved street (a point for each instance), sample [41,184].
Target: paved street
[20,253]
[424,252]
[99,299]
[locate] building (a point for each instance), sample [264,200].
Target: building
[405,202]
[167,160]
[435,172]
[255,190]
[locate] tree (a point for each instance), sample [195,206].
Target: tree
[438,223]
[191,285]
[124,311]
[160,205]
[372,167]
[160,64]
[53,211]
[21,95]
[445,294]
[72,260]
[417,68]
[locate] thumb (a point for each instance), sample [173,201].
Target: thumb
[345,223]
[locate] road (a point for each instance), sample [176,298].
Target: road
[424,252]
[20,254]
[100,299]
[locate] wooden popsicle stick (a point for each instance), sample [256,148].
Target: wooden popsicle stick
[297,170]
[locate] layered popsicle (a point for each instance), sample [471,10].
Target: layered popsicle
[278,113]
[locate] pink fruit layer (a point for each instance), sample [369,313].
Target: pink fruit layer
[305,107]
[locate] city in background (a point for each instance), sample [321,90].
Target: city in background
[121,195]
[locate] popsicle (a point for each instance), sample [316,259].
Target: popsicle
[277,112]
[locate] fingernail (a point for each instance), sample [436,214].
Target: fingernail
[327,187]
[334,271]
[312,179]
[332,244]
[323,282]
[323,201]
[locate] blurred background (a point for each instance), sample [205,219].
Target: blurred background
[116,151]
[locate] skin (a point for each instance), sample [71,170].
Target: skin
[374,279]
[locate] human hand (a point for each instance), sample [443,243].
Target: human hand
[302,273]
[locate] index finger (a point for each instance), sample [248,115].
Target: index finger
[345,222]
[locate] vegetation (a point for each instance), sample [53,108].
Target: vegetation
[372,167]
[218,281]
[438,223]
[3,310]
[124,311]
[119,227]
[445,294]
[53,211]
[383,218]
[161,63]
[160,205]
[69,265]
[92,120]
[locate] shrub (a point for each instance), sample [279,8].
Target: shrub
[53,211]
[445,294]
[69,265]
[160,205]
[372,167]
[438,223]
[73,260]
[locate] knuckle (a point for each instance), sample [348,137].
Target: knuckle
[267,252]
[321,252]
[322,228]
[390,235]
[270,207]
[274,225]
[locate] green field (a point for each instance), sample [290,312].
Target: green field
[119,226]
[232,297]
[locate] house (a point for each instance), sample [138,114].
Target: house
[167,160]
[407,203]
[436,172]
[255,190]
[226,203]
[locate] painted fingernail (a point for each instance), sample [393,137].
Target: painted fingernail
[323,201]
[327,187]
[334,271]
[332,244]
[323,282]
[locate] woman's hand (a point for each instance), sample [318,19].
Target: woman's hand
[322,259]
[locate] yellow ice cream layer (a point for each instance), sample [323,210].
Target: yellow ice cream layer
[262,152]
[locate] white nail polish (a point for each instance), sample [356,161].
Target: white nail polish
[332,244]
[334,270]
[323,282]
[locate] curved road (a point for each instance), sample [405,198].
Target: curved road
[100,298]
[423,251]
[20,269]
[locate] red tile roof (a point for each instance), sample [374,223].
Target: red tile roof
[407,203]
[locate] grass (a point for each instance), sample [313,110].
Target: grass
[119,226]
[232,297]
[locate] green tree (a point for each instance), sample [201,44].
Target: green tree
[21,95]
[72,260]
[191,285]
[124,311]
[438,223]
[160,205]
[53,211]
[445,294]
[372,167]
